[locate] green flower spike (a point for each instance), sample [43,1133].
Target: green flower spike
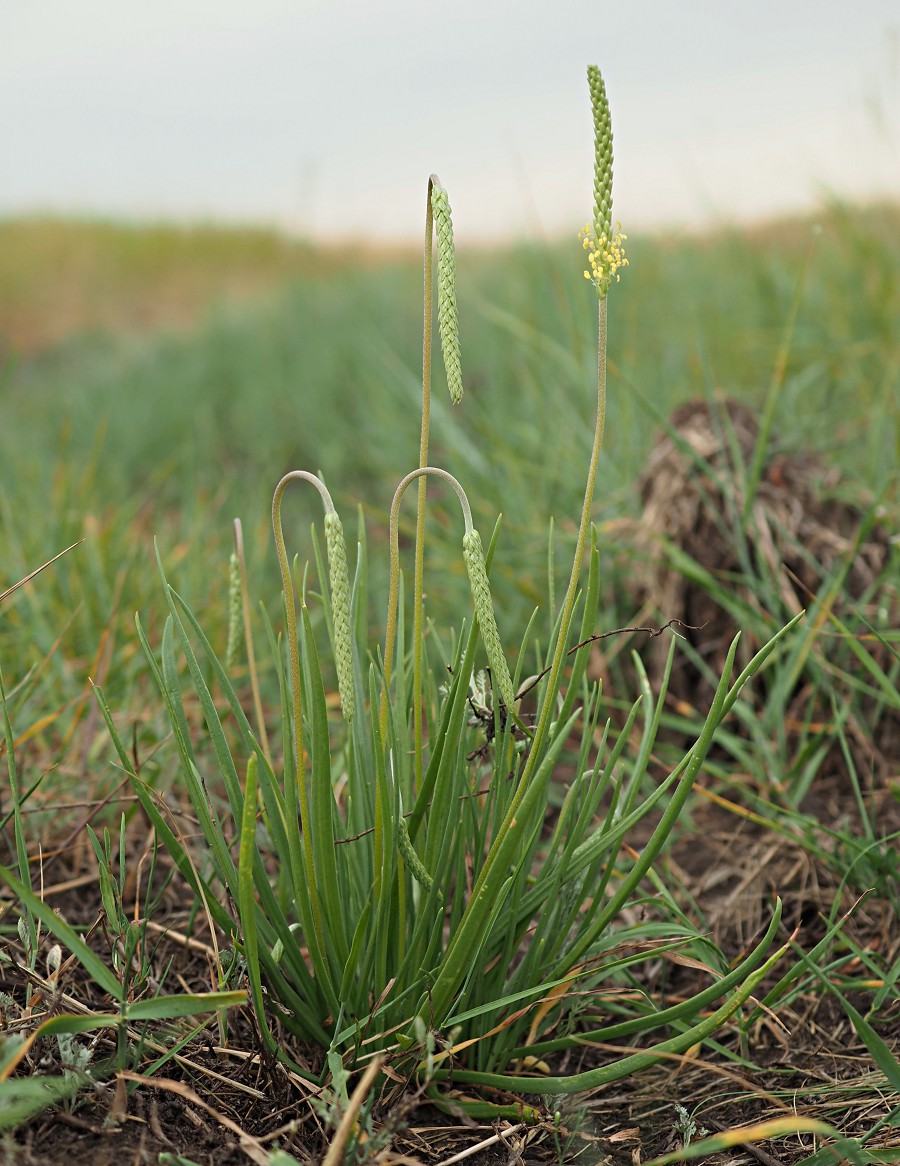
[339,578]
[448,322]
[473,553]
[603,154]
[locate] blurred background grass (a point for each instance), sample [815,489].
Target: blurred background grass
[158,381]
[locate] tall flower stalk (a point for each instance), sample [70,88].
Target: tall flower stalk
[479,905]
[296,784]
[437,221]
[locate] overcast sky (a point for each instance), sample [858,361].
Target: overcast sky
[328,117]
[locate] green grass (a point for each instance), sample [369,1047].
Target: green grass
[120,436]
[115,436]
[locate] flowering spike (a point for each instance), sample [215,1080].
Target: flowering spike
[339,578]
[448,322]
[473,553]
[604,246]
[417,868]
[605,257]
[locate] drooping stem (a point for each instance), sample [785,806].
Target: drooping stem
[394,586]
[476,569]
[295,775]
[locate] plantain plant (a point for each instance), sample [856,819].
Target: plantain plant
[399,882]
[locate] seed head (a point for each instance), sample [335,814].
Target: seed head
[417,868]
[484,610]
[448,321]
[603,155]
[339,578]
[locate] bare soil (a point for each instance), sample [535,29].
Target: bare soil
[218,1105]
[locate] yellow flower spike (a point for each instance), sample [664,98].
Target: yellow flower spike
[604,246]
[606,256]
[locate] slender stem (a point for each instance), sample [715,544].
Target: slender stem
[419,579]
[548,705]
[248,639]
[568,608]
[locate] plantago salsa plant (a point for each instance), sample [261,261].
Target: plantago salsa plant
[395,881]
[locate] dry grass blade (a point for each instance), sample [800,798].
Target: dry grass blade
[493,1140]
[744,1137]
[15,587]
[335,1155]
[251,1146]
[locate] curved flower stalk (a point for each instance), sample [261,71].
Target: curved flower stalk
[478,580]
[296,784]
[339,582]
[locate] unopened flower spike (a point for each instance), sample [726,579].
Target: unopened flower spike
[603,154]
[448,321]
[476,568]
[339,579]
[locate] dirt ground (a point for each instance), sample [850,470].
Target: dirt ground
[218,1106]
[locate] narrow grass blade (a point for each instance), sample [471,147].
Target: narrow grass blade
[90,961]
[593,1078]
[247,902]
[780,1127]
[186,1004]
[322,807]
[18,828]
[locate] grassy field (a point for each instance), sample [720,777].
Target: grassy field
[159,382]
